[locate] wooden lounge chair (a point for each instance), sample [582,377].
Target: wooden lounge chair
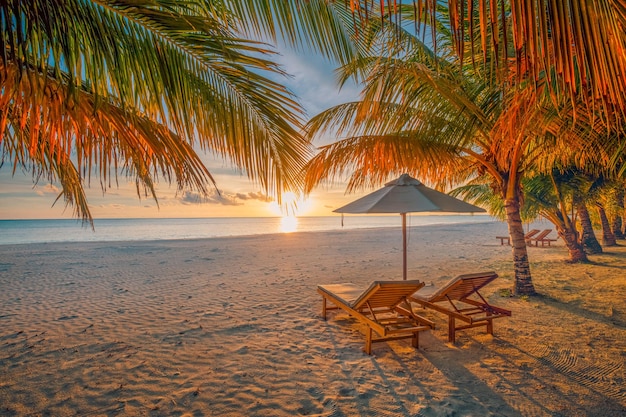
[541,238]
[383,307]
[527,236]
[454,300]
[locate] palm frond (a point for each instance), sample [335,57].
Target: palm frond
[577,44]
[371,160]
[133,86]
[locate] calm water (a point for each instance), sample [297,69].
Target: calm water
[41,231]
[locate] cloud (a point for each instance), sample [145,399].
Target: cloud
[223,199]
[189,197]
[47,189]
[254,196]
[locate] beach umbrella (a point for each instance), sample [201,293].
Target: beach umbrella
[407,195]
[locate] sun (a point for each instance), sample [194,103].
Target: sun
[291,206]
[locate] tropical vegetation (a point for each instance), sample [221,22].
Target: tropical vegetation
[134,88]
[494,94]
[459,111]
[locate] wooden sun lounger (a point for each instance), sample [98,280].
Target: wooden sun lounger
[453,300]
[541,238]
[383,307]
[527,236]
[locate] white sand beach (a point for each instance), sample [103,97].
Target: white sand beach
[232,327]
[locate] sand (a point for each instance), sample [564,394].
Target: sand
[232,326]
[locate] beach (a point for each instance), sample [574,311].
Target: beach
[232,327]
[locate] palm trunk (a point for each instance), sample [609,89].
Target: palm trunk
[588,237]
[523,279]
[616,225]
[569,234]
[608,238]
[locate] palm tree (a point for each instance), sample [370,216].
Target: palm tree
[601,192]
[608,238]
[554,193]
[425,114]
[618,203]
[588,237]
[607,190]
[134,88]
[554,196]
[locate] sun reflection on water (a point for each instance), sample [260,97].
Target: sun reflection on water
[288,224]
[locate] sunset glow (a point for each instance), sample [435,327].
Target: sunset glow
[291,206]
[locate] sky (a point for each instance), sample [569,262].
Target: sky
[313,81]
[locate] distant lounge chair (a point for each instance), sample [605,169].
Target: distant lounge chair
[455,294]
[527,236]
[383,307]
[541,238]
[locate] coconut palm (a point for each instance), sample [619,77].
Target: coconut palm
[554,196]
[480,192]
[601,195]
[563,190]
[605,192]
[614,192]
[587,237]
[608,238]
[425,114]
[554,193]
[617,199]
[600,186]
[428,114]
[134,88]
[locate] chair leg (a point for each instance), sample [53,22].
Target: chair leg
[368,341]
[324,307]
[451,329]
[490,327]
[416,340]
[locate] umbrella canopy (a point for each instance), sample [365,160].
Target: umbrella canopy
[407,195]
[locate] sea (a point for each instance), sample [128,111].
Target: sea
[13,232]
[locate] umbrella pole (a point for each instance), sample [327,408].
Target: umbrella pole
[403,245]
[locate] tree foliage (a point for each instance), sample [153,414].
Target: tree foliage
[577,45]
[136,88]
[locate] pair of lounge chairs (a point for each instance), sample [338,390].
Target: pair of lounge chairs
[534,236]
[527,236]
[540,238]
[387,308]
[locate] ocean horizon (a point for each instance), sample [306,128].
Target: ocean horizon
[14,232]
